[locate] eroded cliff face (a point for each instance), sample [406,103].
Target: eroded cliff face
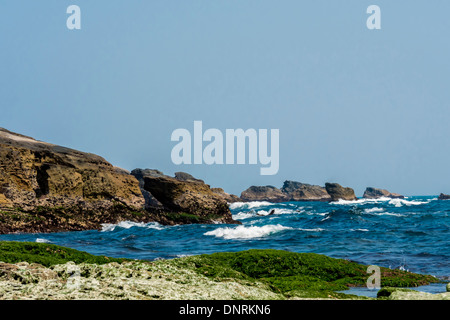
[45,187]
[35,173]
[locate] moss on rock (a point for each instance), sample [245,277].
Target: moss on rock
[46,271]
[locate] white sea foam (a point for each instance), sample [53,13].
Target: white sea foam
[249,205]
[276,211]
[390,214]
[395,202]
[243,232]
[380,212]
[373,210]
[107,227]
[42,240]
[312,230]
[243,215]
[361,201]
[401,202]
[361,230]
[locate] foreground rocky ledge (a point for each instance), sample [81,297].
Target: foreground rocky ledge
[45,271]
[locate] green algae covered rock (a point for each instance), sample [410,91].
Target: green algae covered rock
[409,294]
[46,254]
[46,271]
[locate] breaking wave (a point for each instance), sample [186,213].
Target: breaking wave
[401,202]
[108,227]
[394,202]
[42,240]
[243,232]
[249,205]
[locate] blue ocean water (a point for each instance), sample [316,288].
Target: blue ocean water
[410,234]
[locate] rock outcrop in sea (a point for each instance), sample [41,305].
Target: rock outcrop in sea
[297,191]
[290,191]
[444,196]
[375,193]
[48,188]
[264,193]
[338,192]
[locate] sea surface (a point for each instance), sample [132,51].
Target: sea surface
[410,234]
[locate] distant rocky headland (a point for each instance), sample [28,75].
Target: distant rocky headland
[50,188]
[297,191]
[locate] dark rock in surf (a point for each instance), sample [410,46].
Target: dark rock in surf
[338,192]
[444,196]
[264,193]
[374,193]
[297,191]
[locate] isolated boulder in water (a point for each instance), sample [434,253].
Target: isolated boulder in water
[297,191]
[374,193]
[336,192]
[264,193]
[444,196]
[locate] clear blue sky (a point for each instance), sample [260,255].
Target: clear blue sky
[354,106]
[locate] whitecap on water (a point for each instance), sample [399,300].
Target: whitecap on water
[373,210]
[107,227]
[394,202]
[42,240]
[243,215]
[361,201]
[249,205]
[277,211]
[312,230]
[401,202]
[243,232]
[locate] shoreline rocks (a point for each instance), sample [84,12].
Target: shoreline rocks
[183,198]
[50,188]
[35,173]
[375,193]
[46,187]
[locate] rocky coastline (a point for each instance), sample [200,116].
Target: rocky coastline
[298,191]
[50,188]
